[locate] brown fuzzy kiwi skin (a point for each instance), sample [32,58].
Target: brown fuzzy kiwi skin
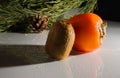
[60,40]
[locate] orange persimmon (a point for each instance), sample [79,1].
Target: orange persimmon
[89,31]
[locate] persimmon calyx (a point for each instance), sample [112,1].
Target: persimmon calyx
[102,30]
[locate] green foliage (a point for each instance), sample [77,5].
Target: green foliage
[16,15]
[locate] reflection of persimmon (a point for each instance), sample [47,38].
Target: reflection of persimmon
[89,30]
[87,66]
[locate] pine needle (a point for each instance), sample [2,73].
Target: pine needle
[15,15]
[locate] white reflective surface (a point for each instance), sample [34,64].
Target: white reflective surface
[23,39]
[102,63]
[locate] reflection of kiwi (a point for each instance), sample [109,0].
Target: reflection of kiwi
[60,40]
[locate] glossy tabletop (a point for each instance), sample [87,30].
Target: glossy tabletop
[101,63]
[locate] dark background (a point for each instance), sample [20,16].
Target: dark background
[109,9]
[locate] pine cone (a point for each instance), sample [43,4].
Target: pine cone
[39,23]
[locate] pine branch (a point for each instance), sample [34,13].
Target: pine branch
[18,13]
